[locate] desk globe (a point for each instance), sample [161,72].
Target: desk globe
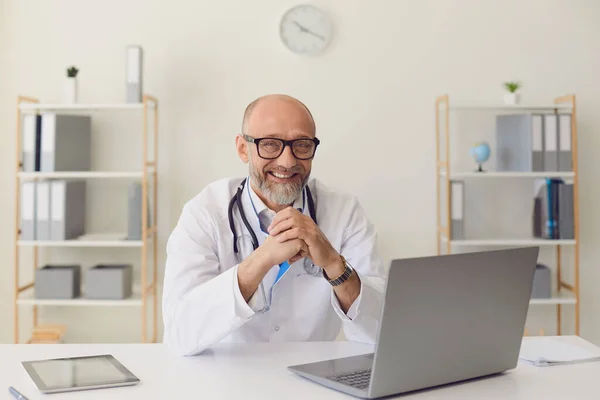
[481,153]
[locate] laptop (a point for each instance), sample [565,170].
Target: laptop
[445,319]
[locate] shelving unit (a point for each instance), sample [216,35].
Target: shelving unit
[564,292]
[144,292]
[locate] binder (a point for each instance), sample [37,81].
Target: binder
[28,210]
[134,207]
[457,209]
[68,200]
[42,219]
[566,211]
[133,87]
[31,142]
[520,142]
[565,157]
[65,142]
[550,142]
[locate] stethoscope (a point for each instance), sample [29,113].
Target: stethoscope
[309,266]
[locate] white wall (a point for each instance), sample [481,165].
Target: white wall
[371,93]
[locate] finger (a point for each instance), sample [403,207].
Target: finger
[295,258]
[290,234]
[282,226]
[284,214]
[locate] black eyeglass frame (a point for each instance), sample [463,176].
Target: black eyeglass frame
[290,143]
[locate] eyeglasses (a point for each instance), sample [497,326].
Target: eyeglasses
[271,148]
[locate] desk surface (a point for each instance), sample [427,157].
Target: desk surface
[258,371]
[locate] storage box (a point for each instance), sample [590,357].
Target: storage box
[542,283]
[58,282]
[109,281]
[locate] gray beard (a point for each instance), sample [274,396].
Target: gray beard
[278,193]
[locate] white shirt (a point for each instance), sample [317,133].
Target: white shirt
[202,302]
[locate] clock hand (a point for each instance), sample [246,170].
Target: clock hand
[305,30]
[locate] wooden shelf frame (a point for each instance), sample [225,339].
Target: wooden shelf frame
[443,109]
[148,174]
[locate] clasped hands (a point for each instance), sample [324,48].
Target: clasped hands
[293,235]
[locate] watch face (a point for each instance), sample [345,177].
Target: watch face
[305,29]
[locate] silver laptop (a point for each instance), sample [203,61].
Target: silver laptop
[445,319]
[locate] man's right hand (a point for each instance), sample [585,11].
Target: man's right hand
[253,269]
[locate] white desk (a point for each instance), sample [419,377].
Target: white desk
[258,371]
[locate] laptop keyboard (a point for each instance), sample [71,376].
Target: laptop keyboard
[358,379]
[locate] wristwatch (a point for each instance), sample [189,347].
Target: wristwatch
[348,271]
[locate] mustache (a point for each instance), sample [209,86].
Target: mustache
[294,170]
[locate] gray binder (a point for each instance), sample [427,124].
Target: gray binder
[520,142]
[550,142]
[67,216]
[42,217]
[134,207]
[28,210]
[65,142]
[565,157]
[566,211]
[457,209]
[133,87]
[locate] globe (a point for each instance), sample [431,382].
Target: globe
[481,153]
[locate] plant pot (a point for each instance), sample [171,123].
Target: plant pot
[71,90]
[512,98]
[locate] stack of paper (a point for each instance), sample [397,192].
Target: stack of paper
[551,351]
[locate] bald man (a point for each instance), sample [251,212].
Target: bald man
[276,256]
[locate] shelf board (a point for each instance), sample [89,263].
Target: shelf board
[82,106]
[499,106]
[516,174]
[88,240]
[511,242]
[557,298]
[80,175]
[27,298]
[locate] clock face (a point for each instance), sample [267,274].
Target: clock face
[305,29]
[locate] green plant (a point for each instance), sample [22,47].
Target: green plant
[512,86]
[72,72]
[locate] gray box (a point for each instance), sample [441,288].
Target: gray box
[542,283]
[109,281]
[65,142]
[520,142]
[58,282]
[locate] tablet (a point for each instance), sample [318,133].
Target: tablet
[78,373]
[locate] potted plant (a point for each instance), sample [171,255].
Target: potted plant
[72,84]
[512,97]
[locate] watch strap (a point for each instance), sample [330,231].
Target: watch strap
[348,271]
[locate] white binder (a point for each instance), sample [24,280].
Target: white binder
[29,145]
[43,211]
[457,209]
[28,211]
[550,142]
[565,157]
[133,87]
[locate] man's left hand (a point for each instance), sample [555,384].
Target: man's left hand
[290,223]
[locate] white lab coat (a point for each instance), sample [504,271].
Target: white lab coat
[202,302]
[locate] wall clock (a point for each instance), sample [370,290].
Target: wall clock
[305,29]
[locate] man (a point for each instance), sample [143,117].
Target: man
[301,280]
